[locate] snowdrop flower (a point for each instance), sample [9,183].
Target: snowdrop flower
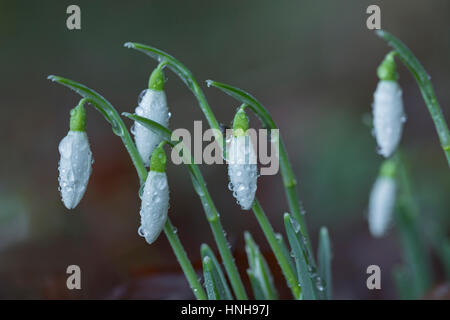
[242,167]
[382,200]
[152,105]
[155,198]
[75,165]
[388,114]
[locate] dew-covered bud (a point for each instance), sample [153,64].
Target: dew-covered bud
[242,162]
[155,198]
[382,200]
[75,165]
[388,114]
[152,105]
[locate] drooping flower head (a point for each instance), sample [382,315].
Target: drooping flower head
[242,164]
[388,114]
[153,106]
[382,199]
[155,197]
[75,165]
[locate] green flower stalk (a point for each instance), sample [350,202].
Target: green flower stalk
[75,165]
[155,198]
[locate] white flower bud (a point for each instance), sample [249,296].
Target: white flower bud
[155,205]
[388,116]
[242,170]
[381,205]
[75,167]
[153,106]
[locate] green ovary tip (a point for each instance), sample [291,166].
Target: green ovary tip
[389,167]
[388,69]
[240,122]
[156,81]
[158,159]
[78,117]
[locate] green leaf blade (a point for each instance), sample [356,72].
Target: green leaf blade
[324,260]
[298,249]
[259,273]
[206,251]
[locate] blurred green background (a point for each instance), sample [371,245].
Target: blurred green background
[311,63]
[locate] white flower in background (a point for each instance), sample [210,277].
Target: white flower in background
[382,200]
[75,165]
[242,162]
[153,106]
[388,114]
[155,198]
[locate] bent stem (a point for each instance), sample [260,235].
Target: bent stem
[119,128]
[187,77]
[209,207]
[282,259]
[289,180]
[426,88]
[184,261]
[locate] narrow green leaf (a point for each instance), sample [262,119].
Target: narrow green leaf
[213,282]
[414,252]
[259,273]
[285,250]
[258,291]
[206,251]
[306,272]
[324,259]
[408,222]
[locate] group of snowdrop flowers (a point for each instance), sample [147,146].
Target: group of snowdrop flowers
[75,164]
[388,120]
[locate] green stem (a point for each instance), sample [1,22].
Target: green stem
[184,261]
[282,259]
[408,220]
[209,207]
[119,128]
[425,86]
[289,180]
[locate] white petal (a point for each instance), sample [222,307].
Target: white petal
[153,106]
[242,170]
[75,167]
[155,205]
[381,205]
[388,116]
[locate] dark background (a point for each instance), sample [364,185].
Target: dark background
[311,63]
